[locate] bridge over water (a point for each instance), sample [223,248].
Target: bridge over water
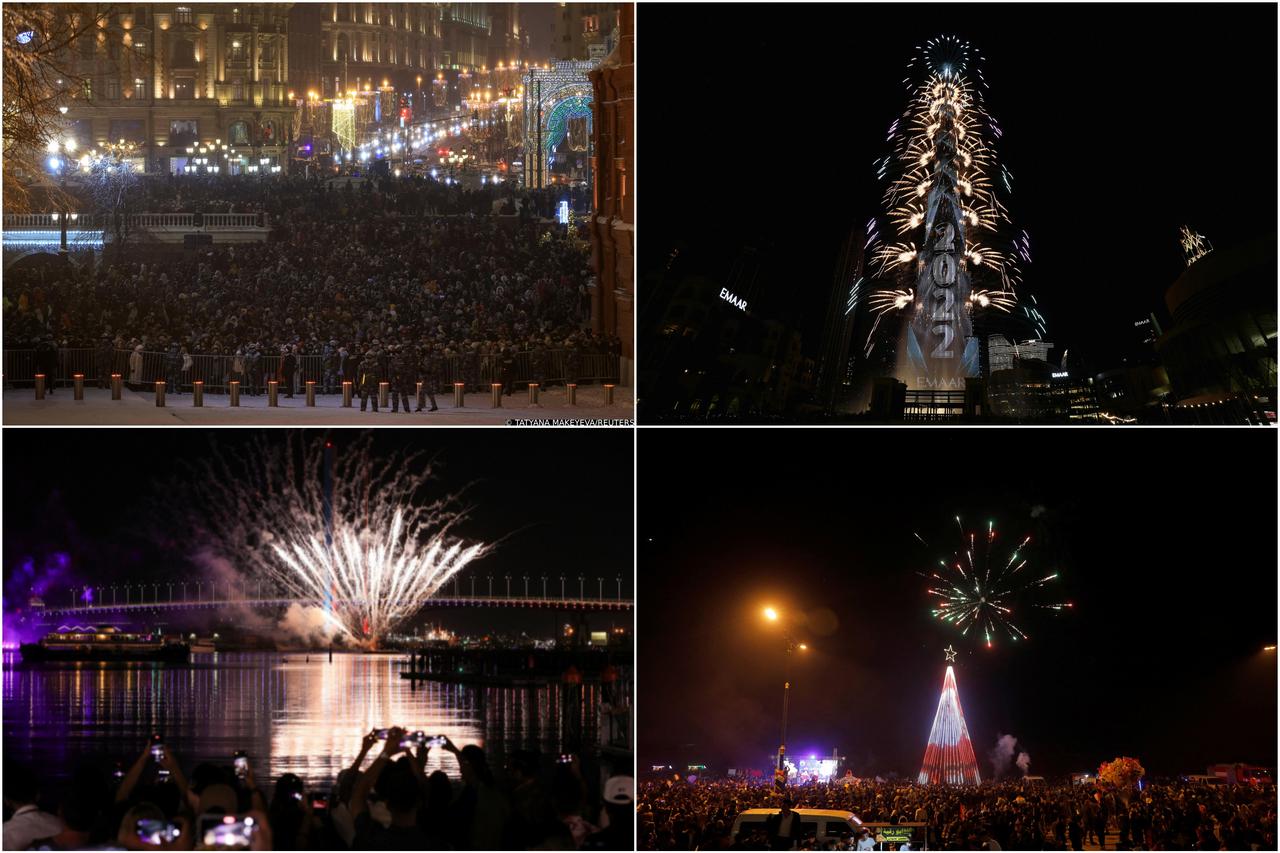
[546,593]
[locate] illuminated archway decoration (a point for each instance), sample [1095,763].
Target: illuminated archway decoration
[554,95]
[558,123]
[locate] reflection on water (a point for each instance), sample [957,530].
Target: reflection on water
[291,714]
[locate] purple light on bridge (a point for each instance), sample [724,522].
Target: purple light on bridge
[87,595]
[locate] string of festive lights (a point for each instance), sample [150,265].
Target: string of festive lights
[948,757]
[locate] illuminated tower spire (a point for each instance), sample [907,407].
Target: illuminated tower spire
[944,206]
[949,759]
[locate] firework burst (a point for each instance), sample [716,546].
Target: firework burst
[941,200]
[357,536]
[980,589]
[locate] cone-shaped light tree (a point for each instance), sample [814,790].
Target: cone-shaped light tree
[949,759]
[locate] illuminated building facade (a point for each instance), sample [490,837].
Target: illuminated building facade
[169,78]
[1003,354]
[585,30]
[1073,398]
[368,45]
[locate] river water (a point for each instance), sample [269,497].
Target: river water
[291,714]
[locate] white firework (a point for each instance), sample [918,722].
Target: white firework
[357,536]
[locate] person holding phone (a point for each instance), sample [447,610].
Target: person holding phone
[396,784]
[145,827]
[291,815]
[166,762]
[482,809]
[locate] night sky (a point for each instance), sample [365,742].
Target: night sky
[563,499]
[1165,546]
[1121,123]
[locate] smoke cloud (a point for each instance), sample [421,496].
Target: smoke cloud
[308,624]
[300,623]
[1024,762]
[1001,756]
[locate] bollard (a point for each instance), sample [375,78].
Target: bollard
[346,393]
[77,386]
[160,393]
[273,393]
[608,395]
[311,393]
[533,393]
[571,389]
[117,386]
[383,389]
[495,390]
[39,386]
[234,392]
[197,393]
[422,397]
[459,394]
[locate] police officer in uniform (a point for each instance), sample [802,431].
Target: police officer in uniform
[106,357]
[430,370]
[401,377]
[370,376]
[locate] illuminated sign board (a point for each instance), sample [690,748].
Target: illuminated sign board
[562,213]
[735,301]
[1064,374]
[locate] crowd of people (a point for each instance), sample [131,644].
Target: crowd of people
[679,815]
[393,270]
[390,803]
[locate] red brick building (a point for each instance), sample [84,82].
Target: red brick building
[613,213]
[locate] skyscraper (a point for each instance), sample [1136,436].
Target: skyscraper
[848,289]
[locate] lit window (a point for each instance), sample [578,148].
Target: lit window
[182,14]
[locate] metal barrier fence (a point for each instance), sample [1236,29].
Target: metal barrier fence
[44,221]
[145,221]
[552,367]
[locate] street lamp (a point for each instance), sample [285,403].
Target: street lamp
[60,151]
[772,615]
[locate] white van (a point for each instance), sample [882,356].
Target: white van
[821,824]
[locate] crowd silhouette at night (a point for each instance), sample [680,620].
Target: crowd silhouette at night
[410,266]
[679,815]
[153,802]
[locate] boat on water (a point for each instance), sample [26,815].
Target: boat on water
[105,642]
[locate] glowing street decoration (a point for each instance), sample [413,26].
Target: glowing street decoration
[367,564]
[344,123]
[942,198]
[948,757]
[736,301]
[1194,246]
[950,653]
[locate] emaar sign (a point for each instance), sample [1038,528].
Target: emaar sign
[735,301]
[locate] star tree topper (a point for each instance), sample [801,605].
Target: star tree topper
[950,653]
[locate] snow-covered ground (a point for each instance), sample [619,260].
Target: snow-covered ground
[21,408]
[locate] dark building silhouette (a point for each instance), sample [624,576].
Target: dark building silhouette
[1220,349]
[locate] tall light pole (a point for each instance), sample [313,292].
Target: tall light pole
[60,152]
[772,615]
